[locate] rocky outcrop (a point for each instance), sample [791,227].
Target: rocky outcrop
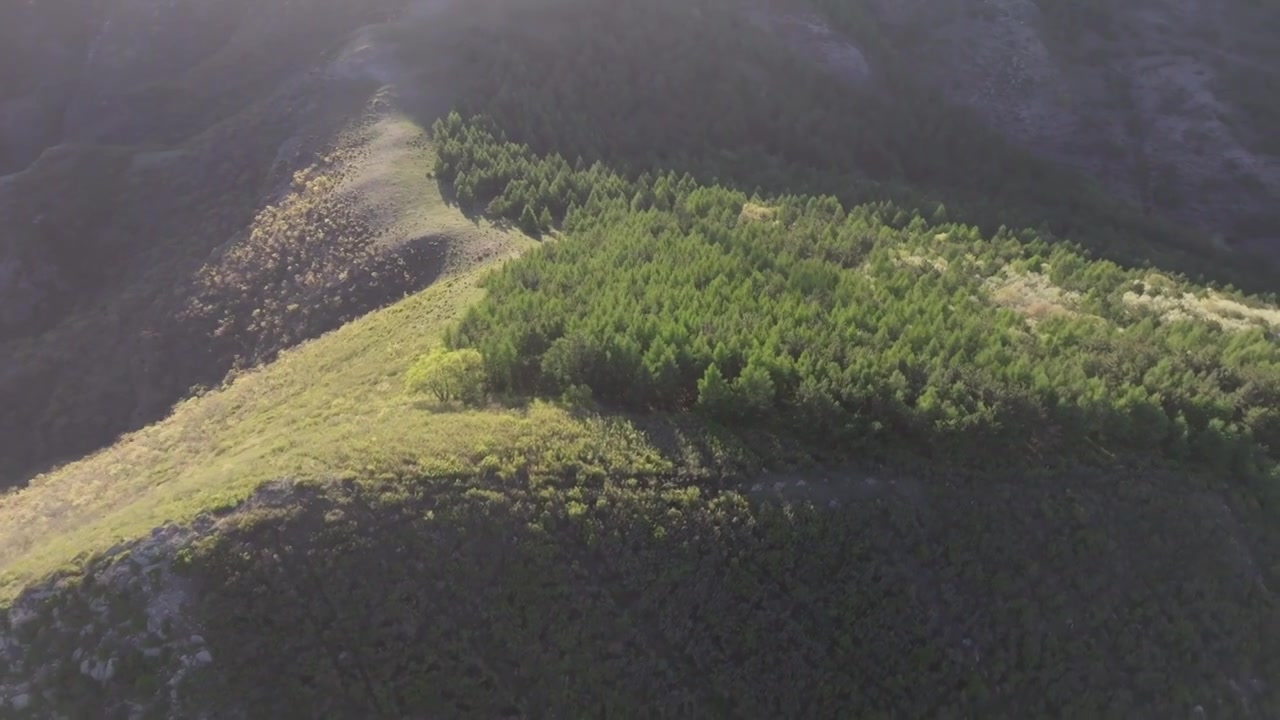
[1138,95]
[808,34]
[115,642]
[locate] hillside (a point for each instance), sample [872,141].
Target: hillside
[1167,102]
[563,358]
[176,149]
[129,241]
[425,559]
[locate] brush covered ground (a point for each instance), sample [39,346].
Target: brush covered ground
[780,418]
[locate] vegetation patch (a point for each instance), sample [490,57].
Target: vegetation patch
[656,598]
[1032,295]
[1227,312]
[754,212]
[582,79]
[539,492]
[661,296]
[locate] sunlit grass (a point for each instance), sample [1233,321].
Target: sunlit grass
[329,406]
[332,408]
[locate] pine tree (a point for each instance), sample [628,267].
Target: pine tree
[754,388]
[529,221]
[641,200]
[571,217]
[715,397]
[663,372]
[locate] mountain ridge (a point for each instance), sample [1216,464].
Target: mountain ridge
[786,378]
[192,88]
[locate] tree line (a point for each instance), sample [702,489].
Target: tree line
[864,326]
[698,87]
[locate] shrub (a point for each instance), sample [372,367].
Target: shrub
[448,375]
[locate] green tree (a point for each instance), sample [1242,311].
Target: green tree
[715,397]
[448,375]
[529,221]
[754,388]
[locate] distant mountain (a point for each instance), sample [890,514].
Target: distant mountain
[1172,103]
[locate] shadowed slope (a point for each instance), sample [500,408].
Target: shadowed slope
[128,275]
[307,415]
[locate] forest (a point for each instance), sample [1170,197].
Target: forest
[634,597]
[726,102]
[865,328]
[857,277]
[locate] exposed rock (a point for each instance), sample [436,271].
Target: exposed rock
[20,616]
[129,625]
[99,670]
[1138,100]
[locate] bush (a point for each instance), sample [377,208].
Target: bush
[448,375]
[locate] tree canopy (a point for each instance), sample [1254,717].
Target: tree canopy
[866,326]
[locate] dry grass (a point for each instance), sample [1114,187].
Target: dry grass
[1174,304]
[214,246]
[331,406]
[334,406]
[357,229]
[1031,294]
[140,224]
[754,212]
[915,260]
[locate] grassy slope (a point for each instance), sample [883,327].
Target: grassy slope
[307,415]
[562,558]
[563,591]
[169,210]
[134,233]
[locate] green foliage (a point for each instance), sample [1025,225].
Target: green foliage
[448,375]
[529,221]
[855,325]
[1066,596]
[697,87]
[754,391]
[715,397]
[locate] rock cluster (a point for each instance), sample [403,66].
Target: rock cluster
[114,642]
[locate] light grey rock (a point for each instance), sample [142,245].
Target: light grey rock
[99,670]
